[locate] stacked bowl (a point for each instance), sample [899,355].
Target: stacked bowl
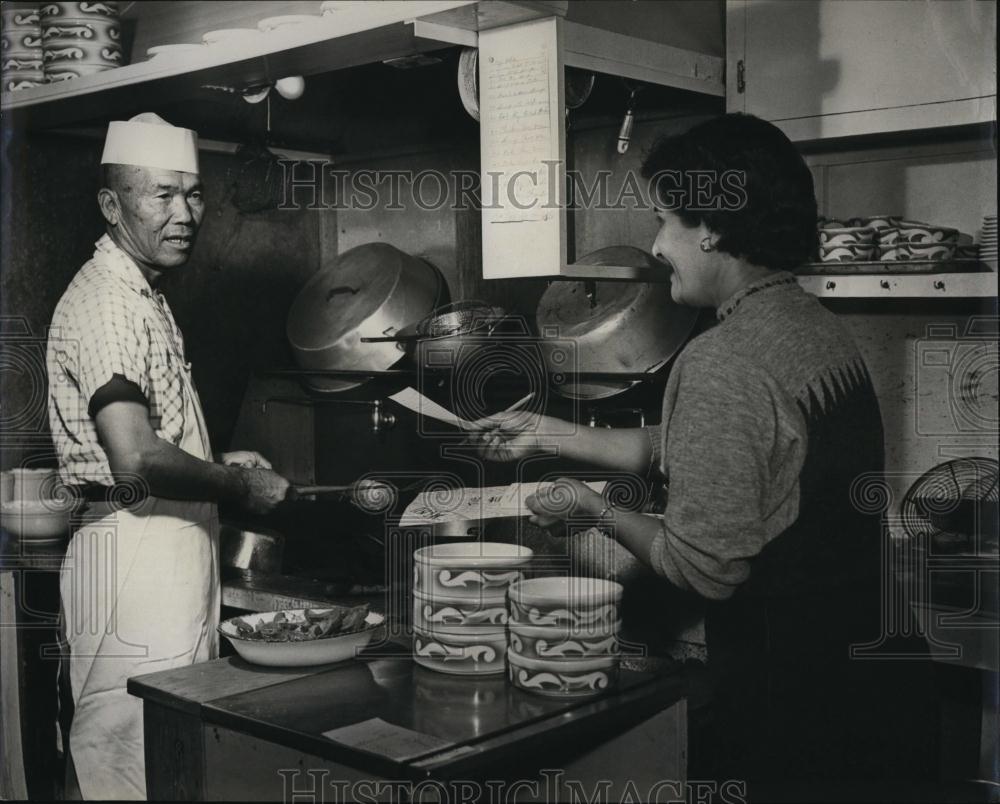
[80,39]
[843,243]
[459,604]
[563,635]
[22,47]
[913,240]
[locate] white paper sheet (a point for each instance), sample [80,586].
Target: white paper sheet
[414,400]
[489,502]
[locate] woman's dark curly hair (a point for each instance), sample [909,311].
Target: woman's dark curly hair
[774,223]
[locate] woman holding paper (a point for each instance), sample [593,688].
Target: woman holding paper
[768,420]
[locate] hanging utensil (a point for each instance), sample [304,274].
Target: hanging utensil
[625,132]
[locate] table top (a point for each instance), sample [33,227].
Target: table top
[386,715]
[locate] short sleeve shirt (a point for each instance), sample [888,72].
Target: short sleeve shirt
[110,321]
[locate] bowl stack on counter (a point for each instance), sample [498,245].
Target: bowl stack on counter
[563,635]
[22,66]
[80,39]
[460,604]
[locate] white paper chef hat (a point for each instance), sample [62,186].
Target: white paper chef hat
[147,140]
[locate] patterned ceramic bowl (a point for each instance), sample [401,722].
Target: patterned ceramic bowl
[848,253]
[468,569]
[107,9]
[547,642]
[437,612]
[66,72]
[78,53]
[566,678]
[20,41]
[930,251]
[461,652]
[891,253]
[847,236]
[24,17]
[97,30]
[22,63]
[912,232]
[13,83]
[577,603]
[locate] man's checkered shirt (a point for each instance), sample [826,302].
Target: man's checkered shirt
[109,321]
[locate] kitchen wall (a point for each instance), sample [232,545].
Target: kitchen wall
[232,298]
[934,363]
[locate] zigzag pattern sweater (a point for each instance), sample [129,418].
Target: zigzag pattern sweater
[768,418]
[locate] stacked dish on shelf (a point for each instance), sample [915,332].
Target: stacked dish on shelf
[459,604]
[563,635]
[80,39]
[886,238]
[988,239]
[22,66]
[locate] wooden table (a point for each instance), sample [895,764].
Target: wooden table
[228,730]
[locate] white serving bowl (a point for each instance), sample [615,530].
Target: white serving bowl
[563,679]
[468,569]
[174,52]
[575,602]
[286,21]
[555,643]
[460,652]
[36,520]
[323,650]
[432,613]
[225,37]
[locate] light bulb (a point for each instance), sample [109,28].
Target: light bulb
[291,87]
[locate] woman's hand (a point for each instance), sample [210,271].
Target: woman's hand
[246,458]
[509,436]
[564,499]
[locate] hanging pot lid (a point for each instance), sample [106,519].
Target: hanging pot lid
[372,290]
[622,327]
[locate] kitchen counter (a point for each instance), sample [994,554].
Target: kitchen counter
[229,730]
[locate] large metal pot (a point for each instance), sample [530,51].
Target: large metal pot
[372,290]
[617,327]
[251,552]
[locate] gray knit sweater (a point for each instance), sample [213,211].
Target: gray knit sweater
[767,420]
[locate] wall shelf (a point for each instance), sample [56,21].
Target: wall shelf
[358,34]
[981,285]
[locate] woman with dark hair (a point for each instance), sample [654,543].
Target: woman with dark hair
[769,418]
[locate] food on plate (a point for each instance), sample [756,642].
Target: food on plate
[315,624]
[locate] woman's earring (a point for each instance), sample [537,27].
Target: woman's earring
[707,244]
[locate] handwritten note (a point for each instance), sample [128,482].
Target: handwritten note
[522,147]
[489,502]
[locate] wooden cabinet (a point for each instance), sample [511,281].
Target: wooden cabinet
[826,68]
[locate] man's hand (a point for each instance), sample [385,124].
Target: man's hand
[563,499]
[263,490]
[245,458]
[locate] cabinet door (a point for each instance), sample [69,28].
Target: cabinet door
[826,68]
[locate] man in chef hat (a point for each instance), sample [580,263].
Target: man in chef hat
[140,580]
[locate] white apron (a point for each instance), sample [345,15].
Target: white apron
[140,593]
